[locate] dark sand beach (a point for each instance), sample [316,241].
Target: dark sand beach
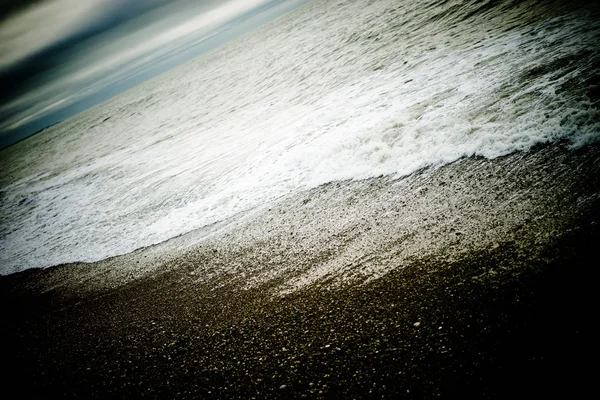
[471,280]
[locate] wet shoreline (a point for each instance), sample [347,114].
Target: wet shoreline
[467,280]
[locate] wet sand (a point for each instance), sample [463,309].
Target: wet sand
[473,279]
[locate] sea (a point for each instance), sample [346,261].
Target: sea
[331,91]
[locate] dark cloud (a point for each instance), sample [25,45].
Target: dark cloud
[21,74]
[8,7]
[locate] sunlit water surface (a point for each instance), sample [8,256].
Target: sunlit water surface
[332,91]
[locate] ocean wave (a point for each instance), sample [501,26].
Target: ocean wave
[331,91]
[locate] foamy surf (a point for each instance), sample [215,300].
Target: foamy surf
[329,92]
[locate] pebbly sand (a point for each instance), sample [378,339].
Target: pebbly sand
[472,280]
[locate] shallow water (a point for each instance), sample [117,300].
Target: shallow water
[331,91]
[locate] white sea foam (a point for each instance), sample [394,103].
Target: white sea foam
[328,92]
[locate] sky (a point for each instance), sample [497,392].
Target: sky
[58,57]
